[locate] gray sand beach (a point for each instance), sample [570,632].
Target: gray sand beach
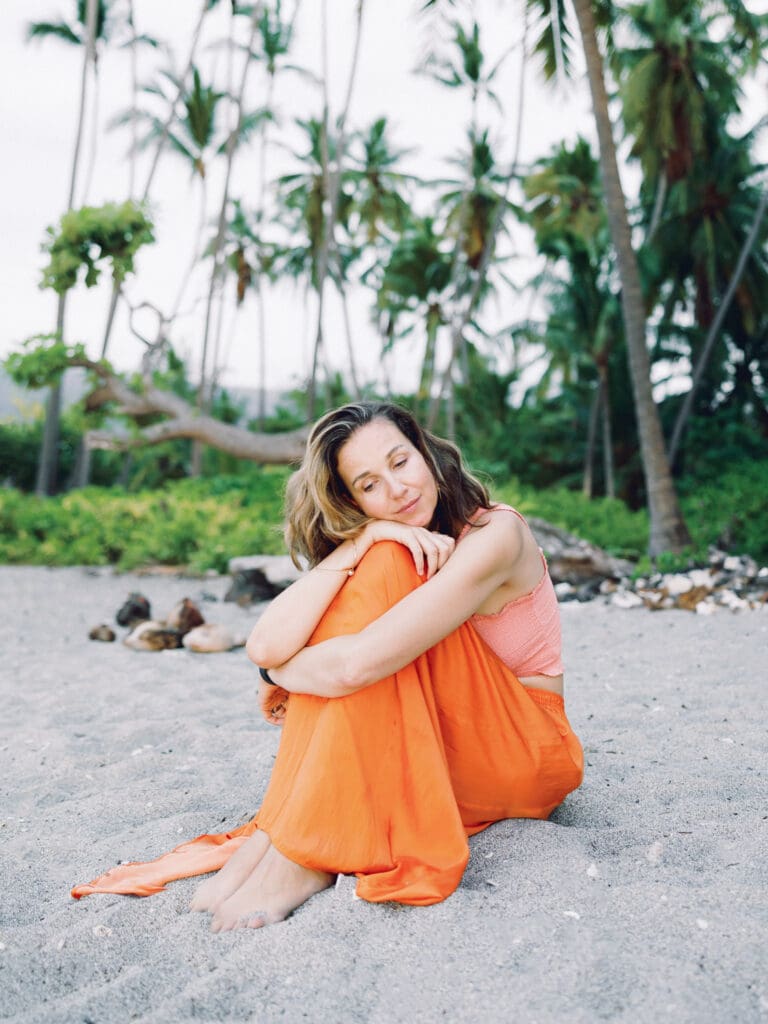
[644,898]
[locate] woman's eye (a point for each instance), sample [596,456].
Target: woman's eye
[367,487]
[401,463]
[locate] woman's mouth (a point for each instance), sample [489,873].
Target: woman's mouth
[409,507]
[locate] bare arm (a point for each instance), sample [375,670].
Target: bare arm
[483,561]
[291,618]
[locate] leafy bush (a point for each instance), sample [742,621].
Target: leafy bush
[606,522]
[201,523]
[198,524]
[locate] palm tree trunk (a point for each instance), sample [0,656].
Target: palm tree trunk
[94,134]
[457,331]
[714,330]
[134,102]
[332,183]
[356,390]
[668,531]
[116,286]
[605,404]
[427,376]
[196,251]
[261,318]
[262,353]
[48,462]
[658,207]
[222,226]
[587,480]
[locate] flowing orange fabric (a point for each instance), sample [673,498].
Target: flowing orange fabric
[387,783]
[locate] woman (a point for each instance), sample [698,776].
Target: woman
[415,671]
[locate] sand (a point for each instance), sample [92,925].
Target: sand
[644,898]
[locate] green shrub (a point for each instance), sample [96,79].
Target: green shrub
[202,523]
[195,523]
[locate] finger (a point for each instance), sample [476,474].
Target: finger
[446,547]
[418,558]
[433,560]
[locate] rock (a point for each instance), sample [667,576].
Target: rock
[184,616]
[732,601]
[626,599]
[678,584]
[576,561]
[707,607]
[153,636]
[251,586]
[279,569]
[135,609]
[691,598]
[211,638]
[103,632]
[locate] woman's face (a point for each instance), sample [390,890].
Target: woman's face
[387,476]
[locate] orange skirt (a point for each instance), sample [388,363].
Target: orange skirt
[388,782]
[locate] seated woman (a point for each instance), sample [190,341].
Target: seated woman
[416,674]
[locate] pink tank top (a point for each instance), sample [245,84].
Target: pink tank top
[525,634]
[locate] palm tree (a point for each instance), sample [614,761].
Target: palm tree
[705,225]
[305,205]
[193,135]
[379,205]
[412,292]
[477,206]
[667,528]
[235,136]
[90,26]
[569,222]
[276,38]
[681,83]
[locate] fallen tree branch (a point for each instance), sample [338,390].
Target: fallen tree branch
[184,422]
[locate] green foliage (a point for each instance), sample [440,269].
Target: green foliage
[43,360]
[607,522]
[195,523]
[729,510]
[20,448]
[202,523]
[114,232]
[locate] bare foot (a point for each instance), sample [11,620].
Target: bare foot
[275,888]
[211,893]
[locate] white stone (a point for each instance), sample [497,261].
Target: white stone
[211,638]
[700,577]
[706,607]
[678,584]
[732,601]
[626,599]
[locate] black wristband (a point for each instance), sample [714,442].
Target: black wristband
[266,676]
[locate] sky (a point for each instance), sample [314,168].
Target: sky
[39,109]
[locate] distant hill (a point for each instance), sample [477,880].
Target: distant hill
[22,404]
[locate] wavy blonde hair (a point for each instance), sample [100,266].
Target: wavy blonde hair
[321,513]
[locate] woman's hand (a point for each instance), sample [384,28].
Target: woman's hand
[273,701]
[430,550]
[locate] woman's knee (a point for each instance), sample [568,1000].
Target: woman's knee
[384,576]
[389,564]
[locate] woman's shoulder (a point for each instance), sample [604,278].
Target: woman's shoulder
[487,526]
[483,515]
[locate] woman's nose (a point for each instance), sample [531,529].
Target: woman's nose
[397,487]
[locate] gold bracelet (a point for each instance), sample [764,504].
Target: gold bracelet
[349,572]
